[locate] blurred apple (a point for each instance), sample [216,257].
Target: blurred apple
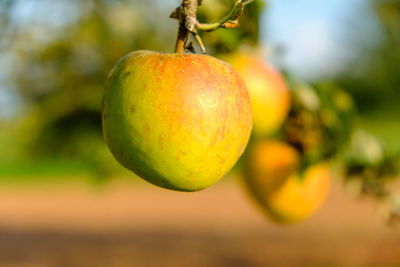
[300,197]
[268,164]
[286,194]
[269,93]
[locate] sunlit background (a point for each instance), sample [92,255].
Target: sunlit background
[64,200]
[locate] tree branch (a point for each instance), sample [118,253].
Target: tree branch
[229,21]
[186,15]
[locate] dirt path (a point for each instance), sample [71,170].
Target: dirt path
[140,225]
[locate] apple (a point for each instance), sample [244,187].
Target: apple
[300,197]
[268,164]
[178,121]
[269,93]
[285,194]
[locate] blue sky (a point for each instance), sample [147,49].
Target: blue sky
[317,35]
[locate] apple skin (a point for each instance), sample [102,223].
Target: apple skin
[300,197]
[269,93]
[178,121]
[273,179]
[268,164]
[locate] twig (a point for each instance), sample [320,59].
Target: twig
[183,35]
[186,15]
[229,21]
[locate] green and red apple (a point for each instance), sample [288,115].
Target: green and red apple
[178,121]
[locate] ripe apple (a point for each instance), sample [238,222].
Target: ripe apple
[268,164]
[300,197]
[178,121]
[286,195]
[269,93]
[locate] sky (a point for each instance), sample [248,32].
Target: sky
[316,35]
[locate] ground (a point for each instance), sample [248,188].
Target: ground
[137,224]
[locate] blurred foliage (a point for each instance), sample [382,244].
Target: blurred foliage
[59,73]
[61,79]
[369,162]
[320,121]
[373,78]
[226,41]
[370,169]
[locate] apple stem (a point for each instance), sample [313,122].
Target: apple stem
[183,35]
[186,15]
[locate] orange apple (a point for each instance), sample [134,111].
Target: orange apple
[285,194]
[269,93]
